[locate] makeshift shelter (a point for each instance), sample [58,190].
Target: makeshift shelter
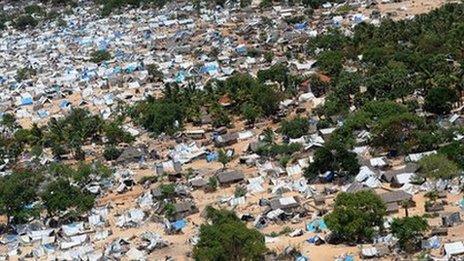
[230,176]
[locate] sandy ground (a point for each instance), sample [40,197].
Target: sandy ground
[180,247]
[408,8]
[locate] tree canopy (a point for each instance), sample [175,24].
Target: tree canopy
[333,157]
[409,231]
[438,166]
[228,238]
[356,216]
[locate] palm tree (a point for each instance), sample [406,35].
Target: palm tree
[269,136]
[223,158]
[406,204]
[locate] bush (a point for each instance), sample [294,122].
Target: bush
[111,153]
[356,215]
[213,183]
[159,116]
[100,56]
[240,191]
[227,236]
[34,9]
[25,73]
[25,21]
[272,150]
[60,195]
[294,128]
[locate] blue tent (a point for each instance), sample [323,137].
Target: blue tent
[179,224]
[301,258]
[348,258]
[241,50]
[328,176]
[26,101]
[300,26]
[212,156]
[64,104]
[315,225]
[180,77]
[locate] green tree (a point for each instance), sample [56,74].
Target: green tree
[168,190]
[213,183]
[60,196]
[440,100]
[100,56]
[115,134]
[268,136]
[331,62]
[111,152]
[437,166]
[269,56]
[18,191]
[397,132]
[356,216]
[409,231]
[159,116]
[455,152]
[333,157]
[250,112]
[228,238]
[294,128]
[154,72]
[223,158]
[23,22]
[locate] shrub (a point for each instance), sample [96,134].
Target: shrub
[25,21]
[111,153]
[100,56]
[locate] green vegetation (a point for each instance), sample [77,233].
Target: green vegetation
[18,192]
[251,99]
[273,150]
[168,190]
[223,158]
[23,22]
[437,166]
[111,152]
[395,62]
[294,128]
[240,191]
[439,100]
[356,216]
[454,152]
[213,183]
[58,188]
[25,73]
[159,116]
[100,56]
[60,195]
[227,237]
[111,5]
[154,72]
[34,9]
[333,157]
[409,231]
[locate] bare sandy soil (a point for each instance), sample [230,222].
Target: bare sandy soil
[408,8]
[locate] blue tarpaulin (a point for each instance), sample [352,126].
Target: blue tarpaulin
[301,258]
[213,156]
[241,50]
[328,176]
[26,101]
[180,77]
[315,225]
[300,26]
[64,104]
[179,224]
[348,258]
